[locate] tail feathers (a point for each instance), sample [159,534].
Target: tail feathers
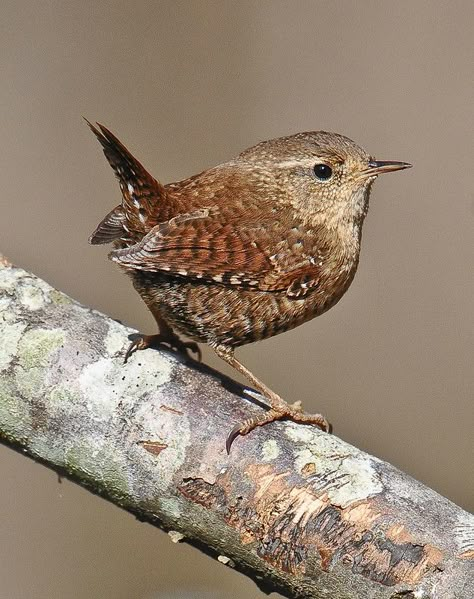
[112,227]
[143,197]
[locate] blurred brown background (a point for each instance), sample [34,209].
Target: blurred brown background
[187,85]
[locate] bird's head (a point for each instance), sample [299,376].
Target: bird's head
[319,173]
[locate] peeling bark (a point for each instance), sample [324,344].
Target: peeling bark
[299,511]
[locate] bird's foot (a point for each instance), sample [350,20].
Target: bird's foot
[293,412]
[170,339]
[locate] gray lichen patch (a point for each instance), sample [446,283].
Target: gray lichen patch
[270,450]
[172,507]
[61,399]
[108,381]
[30,293]
[10,334]
[345,473]
[303,434]
[33,297]
[58,298]
[7,309]
[98,462]
[115,341]
[9,278]
[35,350]
[48,446]
[173,431]
[36,347]
[30,382]
[15,418]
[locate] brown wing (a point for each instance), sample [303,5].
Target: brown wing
[202,246]
[111,227]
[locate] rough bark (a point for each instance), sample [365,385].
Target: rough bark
[299,511]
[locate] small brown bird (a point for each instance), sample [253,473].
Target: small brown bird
[245,250]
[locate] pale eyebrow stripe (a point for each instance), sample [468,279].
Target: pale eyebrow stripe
[308,161]
[290,163]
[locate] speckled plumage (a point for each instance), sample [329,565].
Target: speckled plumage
[247,249]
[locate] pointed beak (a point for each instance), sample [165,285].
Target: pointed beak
[377,167]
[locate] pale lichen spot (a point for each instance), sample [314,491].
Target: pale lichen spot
[175,536]
[32,297]
[116,339]
[32,293]
[37,346]
[58,298]
[223,559]
[108,381]
[302,434]
[172,430]
[7,310]
[110,390]
[171,506]
[61,398]
[14,411]
[41,445]
[30,381]
[96,460]
[9,278]
[270,450]
[343,472]
[10,334]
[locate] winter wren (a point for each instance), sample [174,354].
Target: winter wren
[245,250]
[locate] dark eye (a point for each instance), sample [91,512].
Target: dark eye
[323,171]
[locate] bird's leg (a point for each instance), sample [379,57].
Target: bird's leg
[165,336]
[279,408]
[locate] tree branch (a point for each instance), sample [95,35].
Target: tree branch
[299,511]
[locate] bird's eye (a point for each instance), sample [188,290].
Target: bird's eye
[322,171]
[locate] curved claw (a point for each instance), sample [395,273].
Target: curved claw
[248,425]
[293,413]
[139,343]
[173,341]
[234,433]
